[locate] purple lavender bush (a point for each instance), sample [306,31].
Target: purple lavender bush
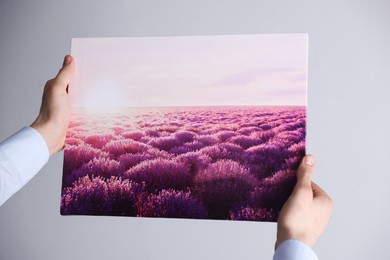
[273,191]
[290,137]
[245,141]
[207,139]
[262,135]
[266,159]
[103,167]
[194,161]
[185,136]
[179,150]
[221,185]
[225,134]
[119,147]
[298,149]
[223,151]
[73,141]
[152,133]
[164,143]
[99,140]
[254,214]
[194,146]
[129,160]
[248,130]
[99,196]
[133,135]
[172,204]
[75,156]
[159,174]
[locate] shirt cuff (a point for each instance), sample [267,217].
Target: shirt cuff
[294,250]
[22,155]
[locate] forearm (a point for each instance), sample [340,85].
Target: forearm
[22,155]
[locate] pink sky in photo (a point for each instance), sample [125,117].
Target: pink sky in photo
[266,69]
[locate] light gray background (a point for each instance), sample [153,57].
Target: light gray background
[348,124]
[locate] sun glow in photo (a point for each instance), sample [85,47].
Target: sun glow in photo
[104,97]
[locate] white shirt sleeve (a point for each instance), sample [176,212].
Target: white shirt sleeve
[294,250]
[22,155]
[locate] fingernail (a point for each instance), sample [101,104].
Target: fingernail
[309,160]
[67,60]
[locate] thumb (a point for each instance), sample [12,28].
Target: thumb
[305,171]
[65,74]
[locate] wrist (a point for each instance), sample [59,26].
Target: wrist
[289,236]
[52,143]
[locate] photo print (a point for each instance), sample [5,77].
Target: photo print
[201,127]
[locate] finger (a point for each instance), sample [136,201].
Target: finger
[65,74]
[317,190]
[305,171]
[321,196]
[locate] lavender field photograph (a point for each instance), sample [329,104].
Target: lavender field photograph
[201,127]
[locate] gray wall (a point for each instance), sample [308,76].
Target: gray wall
[348,124]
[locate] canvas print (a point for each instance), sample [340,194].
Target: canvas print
[202,127]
